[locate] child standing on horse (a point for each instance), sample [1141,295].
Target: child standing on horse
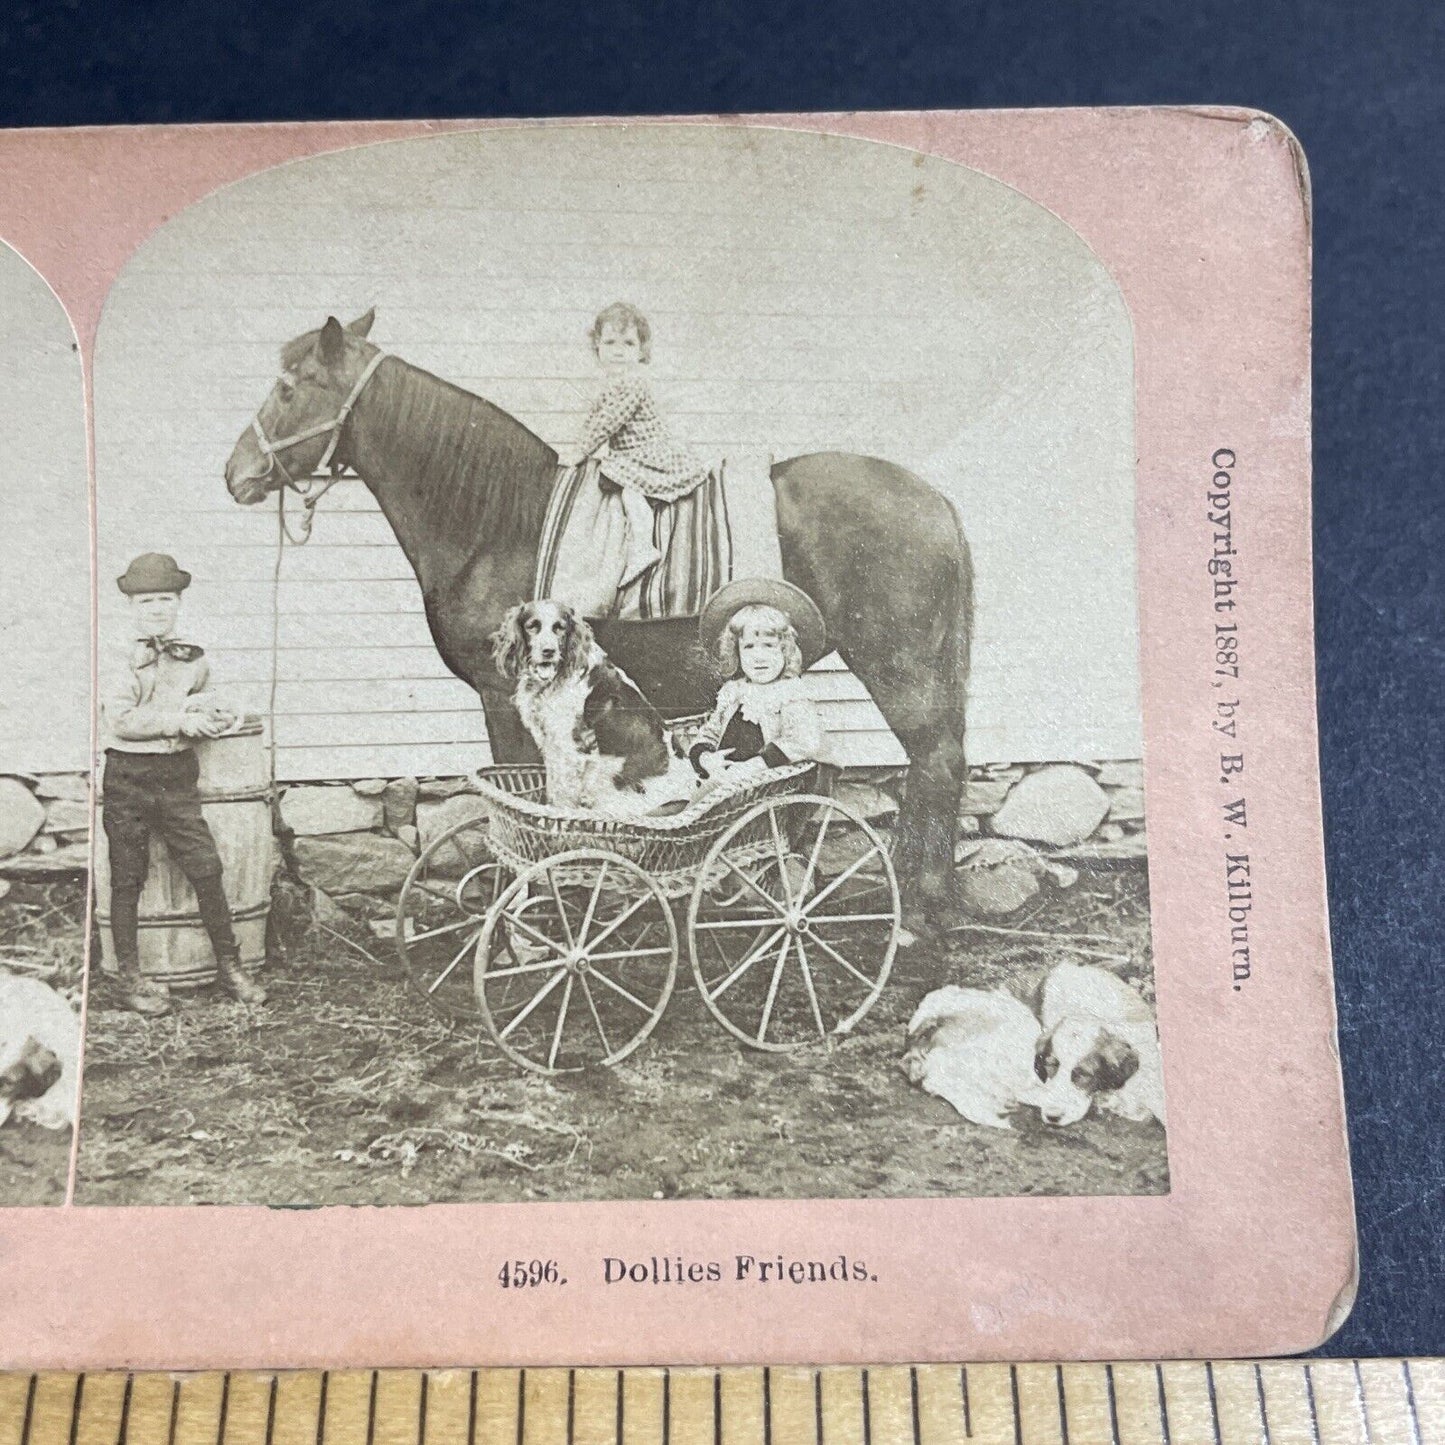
[640,456]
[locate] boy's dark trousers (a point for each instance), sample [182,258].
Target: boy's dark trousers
[155,793]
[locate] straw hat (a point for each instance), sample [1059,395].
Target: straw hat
[792,602]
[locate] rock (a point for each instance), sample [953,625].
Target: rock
[996,875]
[44,843]
[433,790]
[410,836]
[313,811]
[983,796]
[869,802]
[21,816]
[75,786]
[433,819]
[369,787]
[5,887]
[1110,832]
[1059,805]
[1126,805]
[352,862]
[1121,775]
[67,815]
[325,909]
[398,804]
[57,863]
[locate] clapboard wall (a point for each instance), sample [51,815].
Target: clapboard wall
[45,569]
[806,292]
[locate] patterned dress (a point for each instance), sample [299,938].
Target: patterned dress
[641,454]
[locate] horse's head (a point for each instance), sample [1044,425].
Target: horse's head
[298,422]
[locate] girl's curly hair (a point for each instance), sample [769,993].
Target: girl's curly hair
[768,620]
[622,315]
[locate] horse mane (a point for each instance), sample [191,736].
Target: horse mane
[473,465]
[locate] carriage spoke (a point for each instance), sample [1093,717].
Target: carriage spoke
[812,991]
[841,879]
[450,899]
[446,973]
[817,853]
[591,908]
[773,987]
[734,923]
[513,921]
[561,911]
[596,1017]
[766,897]
[622,918]
[747,963]
[617,988]
[629,953]
[445,928]
[868,983]
[814,920]
[537,998]
[540,965]
[783,854]
[561,1022]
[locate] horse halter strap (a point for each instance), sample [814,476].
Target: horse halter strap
[272,450]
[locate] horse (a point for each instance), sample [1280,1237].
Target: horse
[465,487]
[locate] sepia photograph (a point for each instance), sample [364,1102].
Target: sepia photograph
[45,709]
[618,678]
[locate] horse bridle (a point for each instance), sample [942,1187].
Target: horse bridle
[272,450]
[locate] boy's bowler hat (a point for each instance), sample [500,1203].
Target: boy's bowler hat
[153,572]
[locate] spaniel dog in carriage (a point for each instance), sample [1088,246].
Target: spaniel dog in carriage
[602,742]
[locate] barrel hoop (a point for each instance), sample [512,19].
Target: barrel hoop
[190,920]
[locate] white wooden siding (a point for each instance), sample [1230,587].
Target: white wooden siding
[805,292]
[44,513]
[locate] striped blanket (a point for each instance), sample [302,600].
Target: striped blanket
[726,527]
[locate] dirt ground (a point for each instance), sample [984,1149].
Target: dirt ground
[42,934]
[347,1089]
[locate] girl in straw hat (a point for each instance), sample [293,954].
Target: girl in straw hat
[763,632]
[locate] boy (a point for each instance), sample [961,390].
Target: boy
[154,707]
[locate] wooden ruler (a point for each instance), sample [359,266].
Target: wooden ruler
[1319,1402]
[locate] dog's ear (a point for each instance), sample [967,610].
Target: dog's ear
[577,646]
[1117,1062]
[1046,1062]
[509,645]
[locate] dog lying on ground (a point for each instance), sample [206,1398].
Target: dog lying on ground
[39,1048]
[974,1048]
[1093,1043]
[1099,1046]
[602,742]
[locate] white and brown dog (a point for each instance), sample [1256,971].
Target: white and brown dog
[974,1048]
[602,742]
[39,1049]
[1099,1048]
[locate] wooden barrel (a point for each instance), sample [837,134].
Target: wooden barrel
[235,799]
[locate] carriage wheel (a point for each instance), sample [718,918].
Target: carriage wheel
[576,962]
[440,913]
[806,950]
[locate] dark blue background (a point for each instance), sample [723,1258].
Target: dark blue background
[1362,87]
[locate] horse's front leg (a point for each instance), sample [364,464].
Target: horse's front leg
[927,825]
[509,740]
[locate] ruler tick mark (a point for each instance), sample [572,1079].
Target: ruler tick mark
[767,1406]
[913,1400]
[717,1407]
[1360,1399]
[271,1410]
[175,1413]
[867,1406]
[1013,1380]
[1213,1399]
[1263,1413]
[1113,1405]
[1063,1408]
[75,1407]
[421,1410]
[30,1408]
[967,1412]
[521,1405]
[371,1411]
[1410,1401]
[222,1420]
[1163,1403]
[472,1412]
[818,1406]
[571,1405]
[1310,1398]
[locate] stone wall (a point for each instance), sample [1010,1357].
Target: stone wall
[44,825]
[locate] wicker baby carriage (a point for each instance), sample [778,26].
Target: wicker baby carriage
[561,930]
